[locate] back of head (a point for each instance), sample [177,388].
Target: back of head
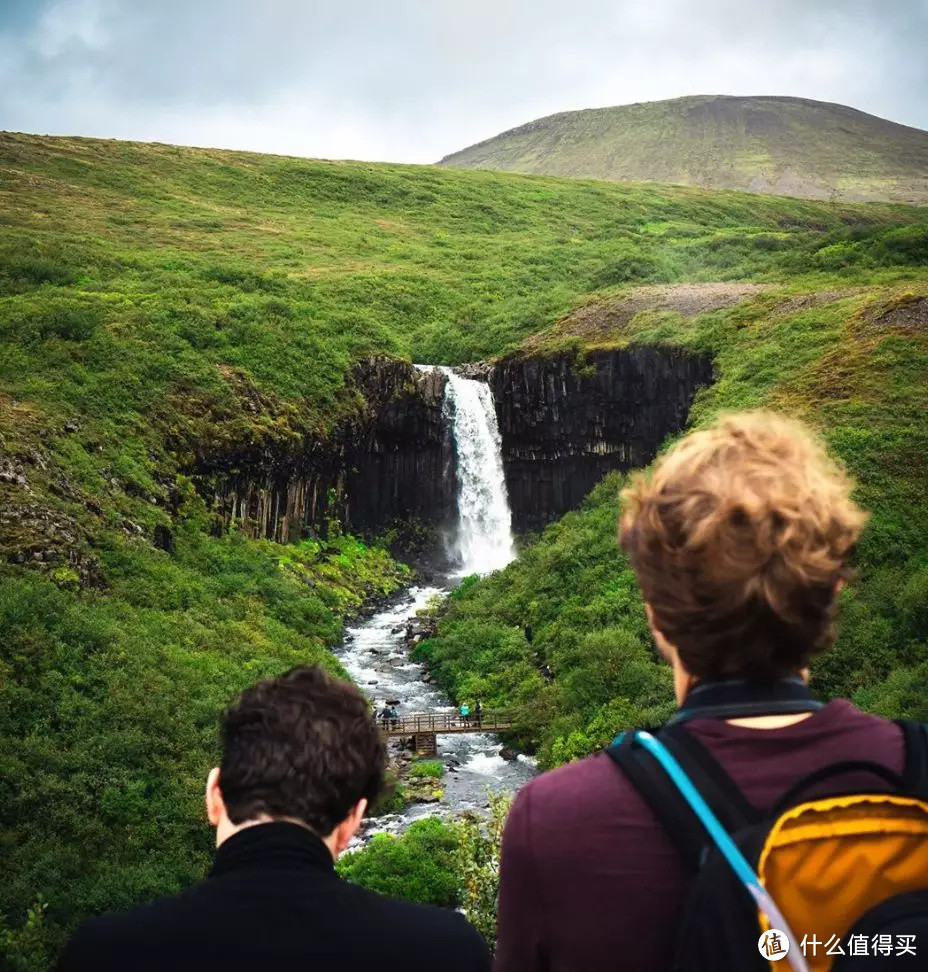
[300,747]
[739,538]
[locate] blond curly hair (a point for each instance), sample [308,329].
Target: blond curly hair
[739,537]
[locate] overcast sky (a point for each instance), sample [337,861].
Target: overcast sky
[413,80]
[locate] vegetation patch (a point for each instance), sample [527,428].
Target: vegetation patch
[162,304]
[561,635]
[432,769]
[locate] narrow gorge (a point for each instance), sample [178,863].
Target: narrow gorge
[505,446]
[376,653]
[563,423]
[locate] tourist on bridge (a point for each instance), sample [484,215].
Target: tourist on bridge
[464,712]
[394,716]
[739,539]
[301,761]
[478,712]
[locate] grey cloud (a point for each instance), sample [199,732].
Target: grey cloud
[414,79]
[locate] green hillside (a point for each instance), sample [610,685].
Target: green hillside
[157,301]
[786,146]
[851,361]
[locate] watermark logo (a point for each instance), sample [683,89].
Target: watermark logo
[773,945]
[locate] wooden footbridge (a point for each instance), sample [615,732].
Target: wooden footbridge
[424,727]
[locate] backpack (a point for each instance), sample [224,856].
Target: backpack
[836,882]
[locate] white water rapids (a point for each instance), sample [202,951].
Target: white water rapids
[483,540]
[375,653]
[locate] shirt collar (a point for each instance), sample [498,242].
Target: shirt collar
[274,846]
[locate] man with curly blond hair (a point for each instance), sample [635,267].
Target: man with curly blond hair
[740,538]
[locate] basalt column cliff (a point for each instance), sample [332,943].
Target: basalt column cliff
[566,422]
[391,463]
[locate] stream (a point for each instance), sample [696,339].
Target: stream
[376,657]
[376,653]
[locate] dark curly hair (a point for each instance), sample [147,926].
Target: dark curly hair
[301,746]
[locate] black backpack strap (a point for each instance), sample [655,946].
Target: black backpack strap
[718,789]
[665,800]
[656,789]
[915,772]
[830,772]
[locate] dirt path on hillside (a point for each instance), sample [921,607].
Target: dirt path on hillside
[607,318]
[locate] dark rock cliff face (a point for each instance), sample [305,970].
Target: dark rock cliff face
[392,461]
[400,456]
[566,423]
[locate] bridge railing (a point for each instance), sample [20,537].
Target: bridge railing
[438,722]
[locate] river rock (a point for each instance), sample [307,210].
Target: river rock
[427,791]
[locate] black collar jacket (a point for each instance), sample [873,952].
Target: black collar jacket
[273,901]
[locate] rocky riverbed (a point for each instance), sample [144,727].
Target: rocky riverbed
[376,653]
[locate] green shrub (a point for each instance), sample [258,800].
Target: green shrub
[419,865]
[427,769]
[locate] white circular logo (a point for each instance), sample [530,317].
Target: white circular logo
[773,945]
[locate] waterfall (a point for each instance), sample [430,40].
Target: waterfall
[483,542]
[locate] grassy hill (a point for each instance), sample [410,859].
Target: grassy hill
[150,296]
[851,361]
[786,146]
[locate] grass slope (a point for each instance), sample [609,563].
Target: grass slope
[853,363]
[156,302]
[786,146]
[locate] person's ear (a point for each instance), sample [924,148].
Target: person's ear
[666,650]
[343,833]
[215,806]
[683,681]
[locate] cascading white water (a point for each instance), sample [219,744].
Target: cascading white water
[376,653]
[483,542]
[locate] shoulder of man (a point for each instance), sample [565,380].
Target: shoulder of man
[427,931]
[571,787]
[104,942]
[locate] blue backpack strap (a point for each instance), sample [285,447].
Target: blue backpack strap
[655,788]
[675,815]
[718,789]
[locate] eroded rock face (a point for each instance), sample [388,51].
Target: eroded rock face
[392,461]
[400,455]
[566,422]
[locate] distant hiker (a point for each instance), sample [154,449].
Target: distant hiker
[739,539]
[465,713]
[301,760]
[394,716]
[478,712]
[385,716]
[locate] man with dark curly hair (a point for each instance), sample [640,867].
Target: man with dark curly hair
[739,537]
[301,762]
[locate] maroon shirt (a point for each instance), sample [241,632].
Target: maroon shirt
[589,880]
